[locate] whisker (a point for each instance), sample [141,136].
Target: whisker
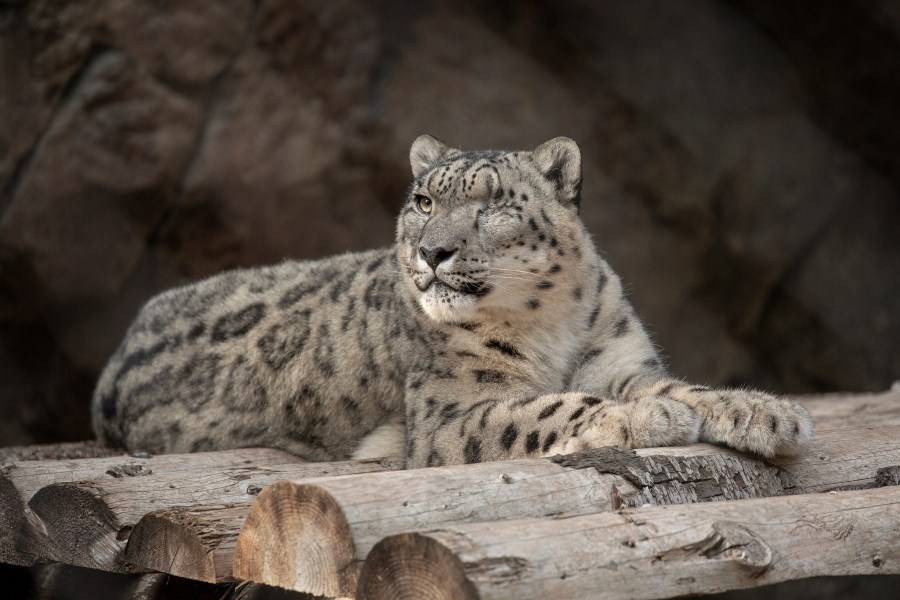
[511,270]
[511,278]
[519,275]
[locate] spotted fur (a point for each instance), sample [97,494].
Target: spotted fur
[493,329]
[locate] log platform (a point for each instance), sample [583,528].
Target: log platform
[651,523]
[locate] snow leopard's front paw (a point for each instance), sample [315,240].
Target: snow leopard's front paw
[643,423]
[756,422]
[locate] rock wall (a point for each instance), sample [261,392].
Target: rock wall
[742,164]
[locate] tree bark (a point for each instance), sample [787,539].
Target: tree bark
[648,552]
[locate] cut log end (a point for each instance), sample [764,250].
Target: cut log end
[297,537]
[413,566]
[165,541]
[68,523]
[12,520]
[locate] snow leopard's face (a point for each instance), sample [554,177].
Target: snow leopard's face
[486,232]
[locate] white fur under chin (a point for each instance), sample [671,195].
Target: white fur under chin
[459,309]
[385,440]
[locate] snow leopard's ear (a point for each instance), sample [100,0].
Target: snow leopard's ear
[559,160]
[425,152]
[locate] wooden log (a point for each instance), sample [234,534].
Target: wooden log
[21,479]
[192,542]
[311,535]
[206,535]
[851,411]
[648,552]
[306,536]
[88,523]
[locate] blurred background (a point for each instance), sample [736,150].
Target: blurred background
[741,164]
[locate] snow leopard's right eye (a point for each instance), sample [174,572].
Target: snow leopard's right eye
[423,203]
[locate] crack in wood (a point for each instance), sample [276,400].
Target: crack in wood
[497,568]
[885,476]
[727,541]
[127,470]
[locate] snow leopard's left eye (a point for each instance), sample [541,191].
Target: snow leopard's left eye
[423,203]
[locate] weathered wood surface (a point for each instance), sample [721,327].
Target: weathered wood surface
[843,410]
[21,479]
[311,535]
[648,552]
[88,523]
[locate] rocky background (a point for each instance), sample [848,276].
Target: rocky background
[742,167]
[742,164]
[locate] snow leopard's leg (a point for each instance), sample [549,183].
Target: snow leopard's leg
[621,363]
[489,414]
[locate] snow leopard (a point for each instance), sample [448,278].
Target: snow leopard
[492,329]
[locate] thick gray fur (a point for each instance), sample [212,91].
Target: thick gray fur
[492,329]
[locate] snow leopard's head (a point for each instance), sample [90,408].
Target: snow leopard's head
[487,233]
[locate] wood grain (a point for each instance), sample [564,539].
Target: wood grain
[647,552]
[193,542]
[848,410]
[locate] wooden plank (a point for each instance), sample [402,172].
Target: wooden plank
[311,535]
[21,479]
[88,523]
[648,552]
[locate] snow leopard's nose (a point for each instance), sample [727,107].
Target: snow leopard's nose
[435,256]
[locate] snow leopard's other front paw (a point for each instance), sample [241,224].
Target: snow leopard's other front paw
[756,422]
